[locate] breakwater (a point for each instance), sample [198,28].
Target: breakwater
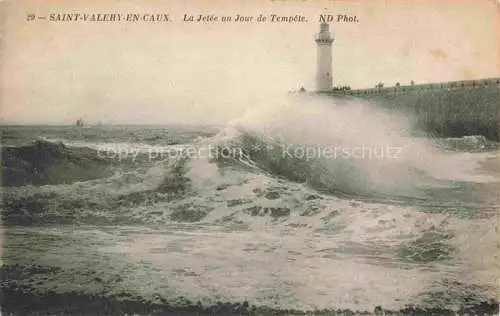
[448,109]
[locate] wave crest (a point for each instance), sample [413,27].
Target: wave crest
[44,162]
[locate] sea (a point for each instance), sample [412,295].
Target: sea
[299,204]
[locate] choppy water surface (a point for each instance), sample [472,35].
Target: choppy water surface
[238,213]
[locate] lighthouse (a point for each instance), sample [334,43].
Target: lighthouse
[324,41]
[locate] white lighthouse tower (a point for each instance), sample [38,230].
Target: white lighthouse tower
[324,41]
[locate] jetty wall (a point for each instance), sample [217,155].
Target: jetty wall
[451,109]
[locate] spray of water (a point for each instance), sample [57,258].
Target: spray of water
[346,144]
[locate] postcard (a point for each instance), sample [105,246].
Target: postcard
[258,157]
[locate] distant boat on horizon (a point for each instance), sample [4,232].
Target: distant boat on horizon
[79,123]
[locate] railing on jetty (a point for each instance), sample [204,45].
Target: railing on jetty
[478,83]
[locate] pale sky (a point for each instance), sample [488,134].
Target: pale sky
[178,72]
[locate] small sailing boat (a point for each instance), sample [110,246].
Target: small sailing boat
[79,123]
